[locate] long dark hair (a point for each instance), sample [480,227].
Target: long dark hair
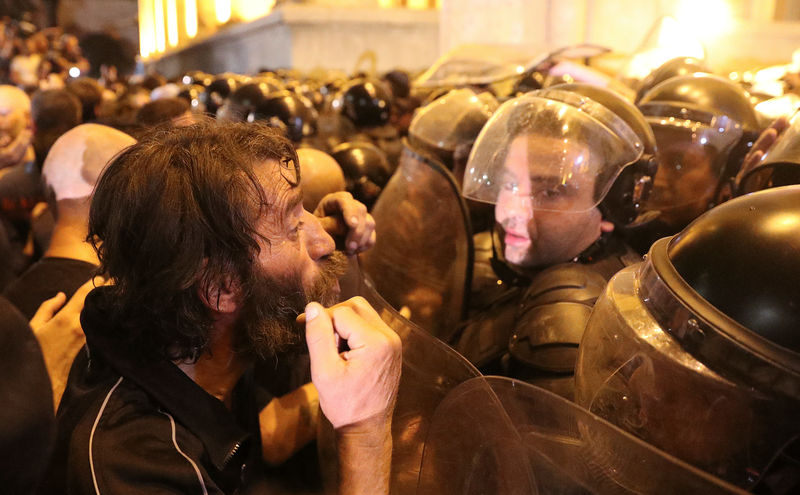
[173,216]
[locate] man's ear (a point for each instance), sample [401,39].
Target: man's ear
[606,226]
[220,297]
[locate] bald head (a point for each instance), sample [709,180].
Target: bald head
[319,175]
[15,111]
[77,158]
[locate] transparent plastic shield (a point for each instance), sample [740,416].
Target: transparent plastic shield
[422,258]
[475,64]
[498,435]
[638,376]
[431,370]
[455,117]
[693,149]
[780,166]
[554,150]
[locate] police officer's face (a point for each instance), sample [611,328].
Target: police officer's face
[536,205]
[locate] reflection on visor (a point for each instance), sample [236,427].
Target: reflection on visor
[780,166]
[550,150]
[691,160]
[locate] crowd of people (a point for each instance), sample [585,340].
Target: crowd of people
[172,254]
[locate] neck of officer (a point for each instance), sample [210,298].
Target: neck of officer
[219,369]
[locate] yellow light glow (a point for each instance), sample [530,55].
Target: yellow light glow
[146,28]
[705,19]
[783,223]
[190,16]
[671,39]
[247,10]
[158,9]
[417,4]
[385,4]
[222,10]
[172,22]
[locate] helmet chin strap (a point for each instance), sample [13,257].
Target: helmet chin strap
[596,249]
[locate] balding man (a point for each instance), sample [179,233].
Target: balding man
[70,171]
[19,178]
[320,175]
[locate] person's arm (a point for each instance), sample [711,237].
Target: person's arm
[60,334]
[765,140]
[288,423]
[365,456]
[357,389]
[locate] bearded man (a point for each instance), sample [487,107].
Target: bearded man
[211,258]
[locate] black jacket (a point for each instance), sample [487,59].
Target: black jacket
[131,426]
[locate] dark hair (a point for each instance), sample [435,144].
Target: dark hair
[160,111]
[54,112]
[90,94]
[175,215]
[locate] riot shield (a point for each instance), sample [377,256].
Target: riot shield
[423,256]
[475,64]
[431,370]
[499,435]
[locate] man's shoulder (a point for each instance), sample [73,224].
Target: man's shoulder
[125,443]
[46,278]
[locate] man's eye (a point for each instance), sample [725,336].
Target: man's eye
[297,228]
[552,193]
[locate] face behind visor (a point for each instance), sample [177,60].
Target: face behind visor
[546,160]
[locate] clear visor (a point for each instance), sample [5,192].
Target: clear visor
[451,119]
[475,64]
[693,149]
[553,150]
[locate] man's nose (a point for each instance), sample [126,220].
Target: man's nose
[516,208]
[318,242]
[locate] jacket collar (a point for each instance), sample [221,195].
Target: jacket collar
[203,414]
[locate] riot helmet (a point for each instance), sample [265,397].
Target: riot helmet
[679,66]
[399,82]
[709,93]
[242,101]
[693,149]
[697,353]
[623,203]
[718,96]
[365,168]
[288,111]
[195,95]
[366,103]
[780,165]
[216,92]
[546,160]
[531,80]
[449,125]
[196,77]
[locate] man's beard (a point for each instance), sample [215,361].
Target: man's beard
[267,323]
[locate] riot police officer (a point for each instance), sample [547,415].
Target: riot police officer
[696,352]
[547,160]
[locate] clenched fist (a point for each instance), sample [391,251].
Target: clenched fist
[361,383]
